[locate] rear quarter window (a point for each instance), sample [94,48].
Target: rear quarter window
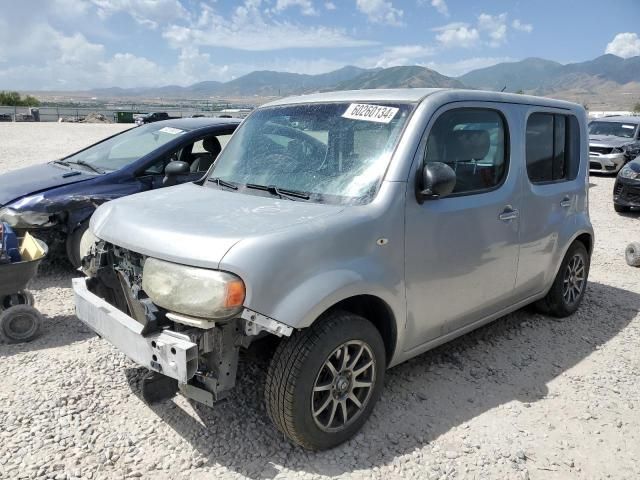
[552,147]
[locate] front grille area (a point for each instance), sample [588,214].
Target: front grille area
[600,150]
[595,165]
[627,193]
[617,189]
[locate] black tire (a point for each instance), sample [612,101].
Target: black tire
[621,208]
[559,301]
[632,254]
[24,297]
[301,361]
[20,323]
[73,245]
[157,388]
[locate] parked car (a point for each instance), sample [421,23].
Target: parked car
[55,200]
[153,117]
[359,228]
[626,191]
[613,141]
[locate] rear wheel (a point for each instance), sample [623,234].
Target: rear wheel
[20,323]
[621,208]
[632,254]
[324,381]
[570,283]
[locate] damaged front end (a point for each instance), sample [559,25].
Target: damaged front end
[185,323]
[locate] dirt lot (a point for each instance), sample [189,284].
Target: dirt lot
[526,397]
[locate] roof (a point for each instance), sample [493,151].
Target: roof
[410,95]
[619,118]
[415,95]
[199,122]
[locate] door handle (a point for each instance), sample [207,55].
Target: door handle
[566,202]
[509,213]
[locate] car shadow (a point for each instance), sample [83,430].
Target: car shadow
[514,358]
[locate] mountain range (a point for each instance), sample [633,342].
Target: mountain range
[604,75]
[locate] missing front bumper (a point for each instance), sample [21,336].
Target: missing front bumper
[167,352]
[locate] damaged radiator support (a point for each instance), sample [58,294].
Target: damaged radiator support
[218,362]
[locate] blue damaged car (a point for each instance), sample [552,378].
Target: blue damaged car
[55,200]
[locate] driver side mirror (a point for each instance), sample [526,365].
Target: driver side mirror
[436,180]
[172,170]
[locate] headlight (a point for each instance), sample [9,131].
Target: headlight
[617,150]
[628,172]
[26,219]
[192,291]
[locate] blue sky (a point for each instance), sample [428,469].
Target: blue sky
[79,44]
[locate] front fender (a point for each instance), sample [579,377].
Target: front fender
[326,290]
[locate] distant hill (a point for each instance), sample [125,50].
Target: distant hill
[399,77]
[605,80]
[523,75]
[544,76]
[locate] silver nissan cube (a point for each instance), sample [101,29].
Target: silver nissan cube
[356,230]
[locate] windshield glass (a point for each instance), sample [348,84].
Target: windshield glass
[618,129]
[335,152]
[124,149]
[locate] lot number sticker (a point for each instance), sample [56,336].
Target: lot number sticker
[171,130]
[370,113]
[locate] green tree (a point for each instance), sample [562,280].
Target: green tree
[13,99]
[520,92]
[636,107]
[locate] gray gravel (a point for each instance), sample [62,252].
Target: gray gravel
[525,397]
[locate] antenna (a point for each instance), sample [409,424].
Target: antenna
[503,88]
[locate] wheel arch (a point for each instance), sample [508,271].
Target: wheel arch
[378,312]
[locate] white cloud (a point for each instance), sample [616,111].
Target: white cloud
[150,13]
[306,6]
[523,27]
[380,11]
[624,45]
[440,6]
[399,55]
[330,6]
[495,26]
[248,29]
[457,35]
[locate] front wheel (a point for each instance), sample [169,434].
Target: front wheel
[20,323]
[324,381]
[568,288]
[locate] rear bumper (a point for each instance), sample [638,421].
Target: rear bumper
[166,352]
[609,163]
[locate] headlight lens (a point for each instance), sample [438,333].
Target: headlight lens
[628,172]
[192,291]
[25,219]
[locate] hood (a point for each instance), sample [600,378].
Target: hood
[196,225]
[38,178]
[609,141]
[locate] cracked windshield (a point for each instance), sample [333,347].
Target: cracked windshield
[334,152]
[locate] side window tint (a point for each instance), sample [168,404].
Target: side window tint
[473,142]
[553,147]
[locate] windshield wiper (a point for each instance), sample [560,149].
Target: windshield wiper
[88,165]
[281,192]
[222,183]
[61,162]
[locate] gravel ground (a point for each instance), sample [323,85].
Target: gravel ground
[525,397]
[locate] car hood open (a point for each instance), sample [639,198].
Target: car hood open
[37,178]
[194,225]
